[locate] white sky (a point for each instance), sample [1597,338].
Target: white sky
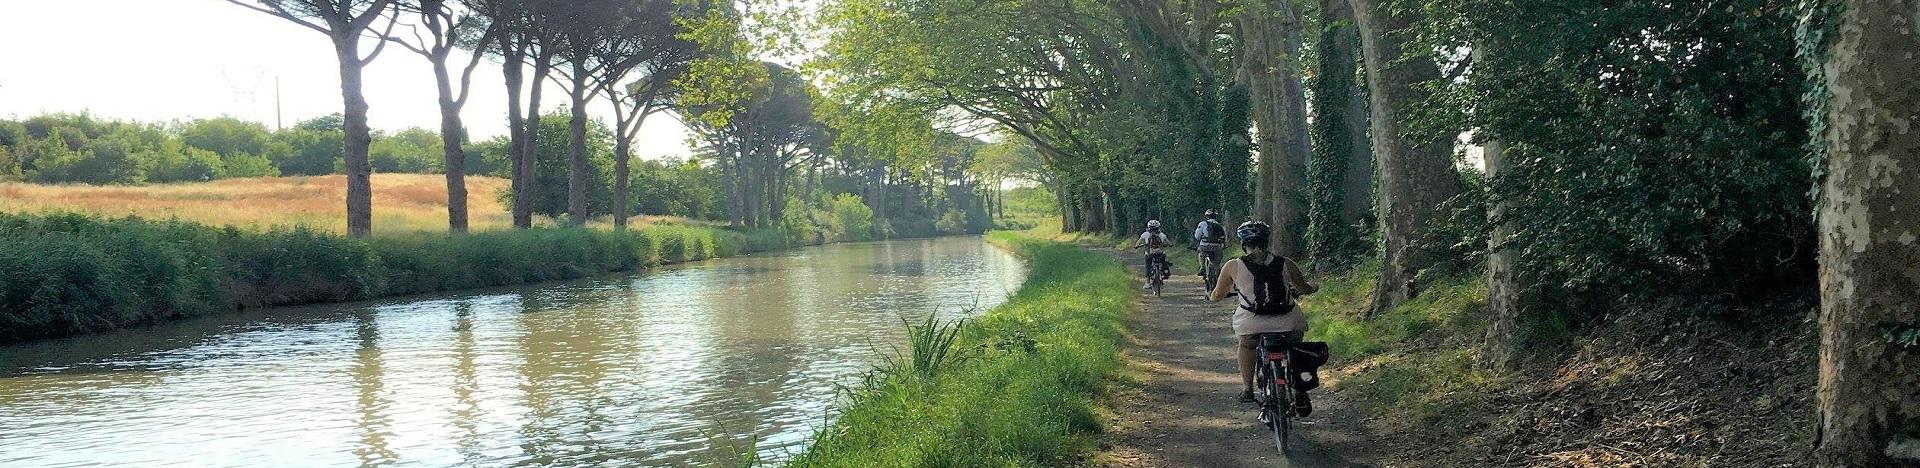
[158,60]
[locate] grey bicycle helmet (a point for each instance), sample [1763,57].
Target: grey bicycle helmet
[1254,234]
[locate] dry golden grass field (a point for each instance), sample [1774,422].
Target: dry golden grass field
[401,202]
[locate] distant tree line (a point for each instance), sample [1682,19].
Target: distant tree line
[769,155]
[79,148]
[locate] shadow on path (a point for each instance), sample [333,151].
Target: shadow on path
[1185,410]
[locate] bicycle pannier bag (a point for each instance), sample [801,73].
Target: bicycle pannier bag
[1306,358]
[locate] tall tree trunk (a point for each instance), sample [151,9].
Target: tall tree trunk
[358,137]
[730,176]
[1271,36]
[577,147]
[1416,170]
[1868,405]
[622,152]
[1339,176]
[1503,289]
[452,136]
[530,147]
[749,188]
[1069,221]
[513,60]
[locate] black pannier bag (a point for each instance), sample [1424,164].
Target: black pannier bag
[1305,358]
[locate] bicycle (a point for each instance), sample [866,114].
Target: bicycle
[1275,394]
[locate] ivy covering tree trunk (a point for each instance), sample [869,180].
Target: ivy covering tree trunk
[1416,168]
[1340,173]
[1869,395]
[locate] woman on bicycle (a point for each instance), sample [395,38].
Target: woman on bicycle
[1156,243]
[1239,276]
[1212,240]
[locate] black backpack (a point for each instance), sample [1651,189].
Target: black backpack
[1271,295]
[1216,234]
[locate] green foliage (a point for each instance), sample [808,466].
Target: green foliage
[186,165]
[249,165]
[9,167]
[70,273]
[1648,140]
[678,188]
[414,150]
[97,162]
[310,151]
[1024,396]
[550,162]
[852,220]
[227,136]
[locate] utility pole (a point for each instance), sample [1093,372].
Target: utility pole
[277,122]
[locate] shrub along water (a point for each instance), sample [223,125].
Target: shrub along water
[71,273]
[1017,387]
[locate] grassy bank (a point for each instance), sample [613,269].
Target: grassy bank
[1017,387]
[72,273]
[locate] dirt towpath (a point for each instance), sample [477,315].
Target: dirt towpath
[1185,411]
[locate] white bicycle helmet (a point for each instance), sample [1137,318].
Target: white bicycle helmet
[1153,224]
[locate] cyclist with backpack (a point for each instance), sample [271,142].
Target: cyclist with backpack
[1212,237]
[1156,243]
[1267,285]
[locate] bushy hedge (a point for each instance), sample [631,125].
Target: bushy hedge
[1018,387]
[64,274]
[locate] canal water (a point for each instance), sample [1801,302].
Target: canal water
[695,364]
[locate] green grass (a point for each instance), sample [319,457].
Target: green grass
[1417,363]
[74,273]
[1017,387]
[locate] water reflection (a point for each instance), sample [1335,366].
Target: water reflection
[644,369]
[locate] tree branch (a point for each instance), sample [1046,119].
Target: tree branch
[276,10]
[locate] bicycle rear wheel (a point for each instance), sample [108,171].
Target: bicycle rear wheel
[1281,400]
[1282,428]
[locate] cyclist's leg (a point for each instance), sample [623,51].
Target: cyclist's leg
[1247,361]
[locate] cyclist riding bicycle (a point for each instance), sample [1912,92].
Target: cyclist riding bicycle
[1263,281]
[1156,243]
[1212,237]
